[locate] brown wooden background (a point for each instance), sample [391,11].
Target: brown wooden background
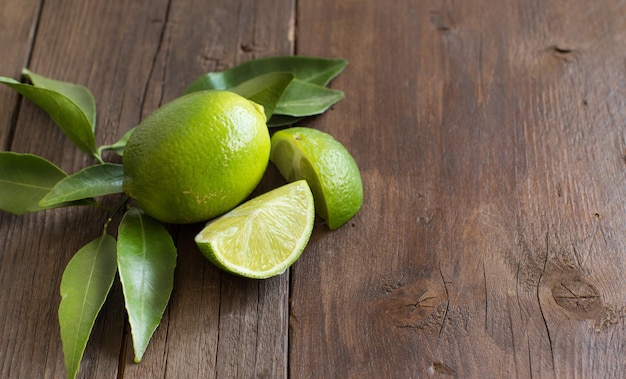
[492,142]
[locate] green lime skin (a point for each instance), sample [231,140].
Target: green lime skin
[328,167]
[196,157]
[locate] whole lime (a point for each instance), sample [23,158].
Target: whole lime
[197,156]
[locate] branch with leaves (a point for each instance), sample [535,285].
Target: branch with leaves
[143,254]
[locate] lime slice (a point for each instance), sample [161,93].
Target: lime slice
[263,236]
[305,153]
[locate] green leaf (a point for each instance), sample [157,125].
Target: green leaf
[85,285]
[265,89]
[25,179]
[74,121]
[306,99]
[306,95]
[92,181]
[146,259]
[282,120]
[118,146]
[80,95]
[313,70]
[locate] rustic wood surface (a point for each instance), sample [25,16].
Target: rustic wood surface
[491,137]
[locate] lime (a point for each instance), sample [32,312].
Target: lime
[263,236]
[196,157]
[330,170]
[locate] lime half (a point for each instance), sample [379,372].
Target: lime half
[262,237]
[305,153]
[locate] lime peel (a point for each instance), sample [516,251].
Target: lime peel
[332,173]
[196,157]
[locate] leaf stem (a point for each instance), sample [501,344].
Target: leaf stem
[98,156]
[114,211]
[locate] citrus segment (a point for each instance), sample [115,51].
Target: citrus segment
[305,153]
[263,236]
[196,157]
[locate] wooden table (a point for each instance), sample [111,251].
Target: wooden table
[492,144]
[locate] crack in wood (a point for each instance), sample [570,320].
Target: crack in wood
[447,302]
[537,293]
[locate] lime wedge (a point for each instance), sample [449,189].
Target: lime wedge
[262,237]
[305,153]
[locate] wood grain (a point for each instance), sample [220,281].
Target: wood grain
[133,56]
[491,141]
[19,21]
[82,43]
[217,325]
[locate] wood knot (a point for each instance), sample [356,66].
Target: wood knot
[413,304]
[441,21]
[576,296]
[251,48]
[563,52]
[561,49]
[441,369]
[426,216]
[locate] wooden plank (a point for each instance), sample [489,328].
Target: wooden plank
[217,325]
[491,141]
[84,43]
[492,147]
[18,20]
[135,56]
